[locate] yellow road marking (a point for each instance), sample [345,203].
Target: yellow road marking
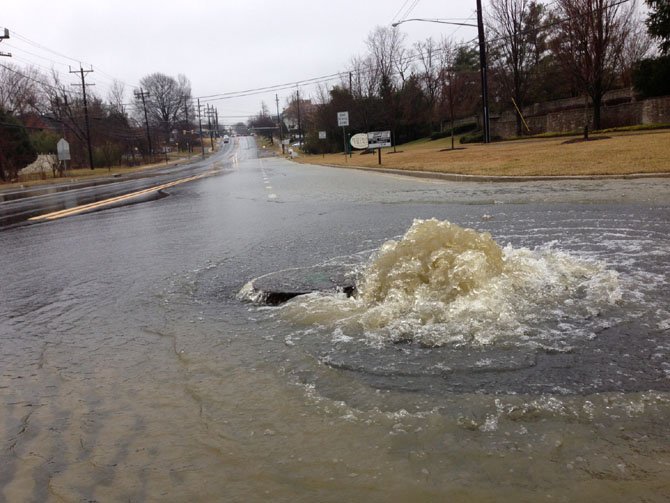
[99,204]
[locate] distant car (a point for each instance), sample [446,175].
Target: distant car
[226,138]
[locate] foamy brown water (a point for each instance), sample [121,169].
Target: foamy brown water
[443,284]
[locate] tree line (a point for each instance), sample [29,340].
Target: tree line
[536,52]
[37,109]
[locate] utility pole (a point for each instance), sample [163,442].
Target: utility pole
[3,37]
[83,73]
[209,125]
[281,134]
[200,122]
[297,93]
[482,60]
[188,143]
[483,71]
[141,94]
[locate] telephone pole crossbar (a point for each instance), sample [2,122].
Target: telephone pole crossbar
[3,37]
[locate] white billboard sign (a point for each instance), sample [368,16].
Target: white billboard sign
[379,139]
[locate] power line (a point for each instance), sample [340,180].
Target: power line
[400,10]
[277,87]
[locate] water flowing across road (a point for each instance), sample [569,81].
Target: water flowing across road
[502,342]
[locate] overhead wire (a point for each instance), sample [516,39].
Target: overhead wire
[289,85]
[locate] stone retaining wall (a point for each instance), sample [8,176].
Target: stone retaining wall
[615,114]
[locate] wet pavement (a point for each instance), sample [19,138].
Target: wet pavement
[138,364]
[18,205]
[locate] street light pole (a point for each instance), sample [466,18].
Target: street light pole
[483,72]
[482,61]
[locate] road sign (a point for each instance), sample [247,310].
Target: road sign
[359,140]
[63,149]
[379,139]
[342,119]
[322,135]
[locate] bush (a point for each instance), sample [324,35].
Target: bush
[109,154]
[477,137]
[465,128]
[44,141]
[651,77]
[16,151]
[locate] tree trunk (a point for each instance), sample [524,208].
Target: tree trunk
[597,104]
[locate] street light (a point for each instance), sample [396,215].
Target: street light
[482,61]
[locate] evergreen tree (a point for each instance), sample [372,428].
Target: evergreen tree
[658,23]
[16,151]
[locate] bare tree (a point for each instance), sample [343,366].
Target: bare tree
[516,29]
[431,72]
[387,53]
[449,79]
[590,43]
[366,82]
[165,101]
[116,96]
[19,88]
[637,47]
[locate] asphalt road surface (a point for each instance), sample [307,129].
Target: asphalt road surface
[19,205]
[525,359]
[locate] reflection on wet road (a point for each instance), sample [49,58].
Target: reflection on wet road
[135,365]
[29,204]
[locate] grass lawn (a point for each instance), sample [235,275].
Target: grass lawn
[34,179]
[619,154]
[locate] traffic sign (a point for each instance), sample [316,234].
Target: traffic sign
[63,149]
[342,119]
[322,135]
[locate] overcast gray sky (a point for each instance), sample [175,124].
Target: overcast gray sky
[225,46]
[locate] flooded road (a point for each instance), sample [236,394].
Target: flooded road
[524,360]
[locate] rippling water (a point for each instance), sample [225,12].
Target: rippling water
[131,370]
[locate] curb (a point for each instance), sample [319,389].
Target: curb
[456,177]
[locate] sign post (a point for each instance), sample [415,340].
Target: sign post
[322,136]
[343,122]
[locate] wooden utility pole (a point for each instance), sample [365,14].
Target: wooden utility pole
[281,134]
[141,94]
[83,84]
[202,144]
[188,143]
[209,126]
[297,93]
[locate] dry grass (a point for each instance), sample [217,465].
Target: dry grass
[622,153]
[45,178]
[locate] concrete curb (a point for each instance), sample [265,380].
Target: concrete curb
[455,177]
